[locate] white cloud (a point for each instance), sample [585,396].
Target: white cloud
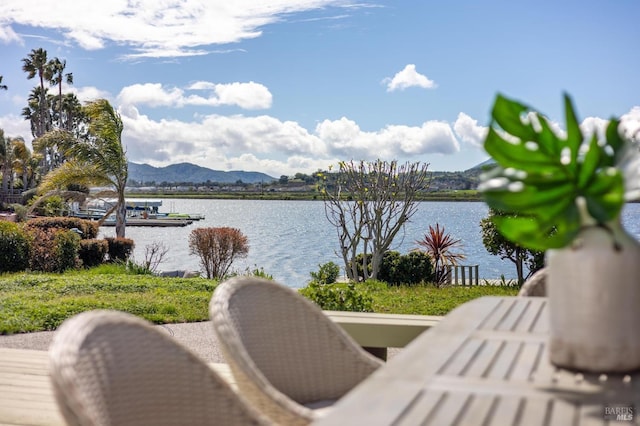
[408,77]
[89,93]
[344,138]
[7,35]
[151,28]
[631,123]
[469,131]
[267,143]
[244,95]
[15,126]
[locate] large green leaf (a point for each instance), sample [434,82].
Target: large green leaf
[508,114]
[516,155]
[541,175]
[574,134]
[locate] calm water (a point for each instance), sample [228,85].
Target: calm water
[289,239]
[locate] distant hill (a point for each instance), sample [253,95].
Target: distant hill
[187,172]
[480,166]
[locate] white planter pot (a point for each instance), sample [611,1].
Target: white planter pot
[594,302]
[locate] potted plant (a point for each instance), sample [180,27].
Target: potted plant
[563,192]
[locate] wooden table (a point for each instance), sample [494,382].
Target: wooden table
[487,363]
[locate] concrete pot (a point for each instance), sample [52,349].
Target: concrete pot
[594,302]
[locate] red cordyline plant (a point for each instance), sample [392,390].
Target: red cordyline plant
[439,246]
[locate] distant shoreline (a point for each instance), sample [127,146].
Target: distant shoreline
[282,195]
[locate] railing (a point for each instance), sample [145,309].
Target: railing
[466,274]
[11,197]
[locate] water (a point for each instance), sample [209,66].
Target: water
[289,239]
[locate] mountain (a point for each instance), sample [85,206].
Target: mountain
[187,172]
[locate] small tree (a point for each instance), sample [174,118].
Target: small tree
[368,204]
[498,245]
[218,248]
[440,246]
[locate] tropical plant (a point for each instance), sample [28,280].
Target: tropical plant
[564,191]
[552,185]
[98,158]
[56,78]
[36,64]
[368,204]
[440,247]
[25,164]
[218,248]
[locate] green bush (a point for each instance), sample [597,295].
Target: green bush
[66,246]
[338,297]
[14,247]
[327,274]
[413,268]
[53,250]
[389,266]
[395,269]
[92,252]
[88,228]
[359,259]
[20,211]
[119,249]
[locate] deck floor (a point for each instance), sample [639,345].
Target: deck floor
[26,395]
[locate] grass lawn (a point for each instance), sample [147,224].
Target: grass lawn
[38,302]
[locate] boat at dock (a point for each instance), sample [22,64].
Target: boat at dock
[133,221]
[139,213]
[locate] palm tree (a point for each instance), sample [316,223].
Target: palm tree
[57,77]
[96,159]
[72,112]
[5,161]
[24,164]
[8,153]
[36,64]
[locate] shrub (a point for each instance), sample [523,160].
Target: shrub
[92,252]
[389,266]
[413,268]
[66,245]
[88,228]
[359,259]
[338,297]
[53,250]
[395,268]
[327,274]
[14,247]
[119,249]
[217,248]
[52,206]
[20,211]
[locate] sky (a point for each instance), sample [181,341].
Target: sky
[294,86]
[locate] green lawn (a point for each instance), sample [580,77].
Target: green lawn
[37,302]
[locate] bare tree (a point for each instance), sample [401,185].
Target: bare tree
[368,205]
[154,255]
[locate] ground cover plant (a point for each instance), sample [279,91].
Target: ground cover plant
[40,301]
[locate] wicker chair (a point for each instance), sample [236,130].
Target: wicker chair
[112,368]
[286,356]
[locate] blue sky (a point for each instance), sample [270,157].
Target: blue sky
[298,85]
